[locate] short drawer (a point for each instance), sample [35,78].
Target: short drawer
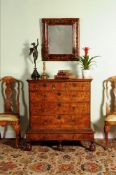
[41,96]
[72,96]
[41,86]
[78,86]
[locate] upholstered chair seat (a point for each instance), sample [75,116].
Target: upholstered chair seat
[8,117]
[111,117]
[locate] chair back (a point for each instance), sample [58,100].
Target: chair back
[110,92]
[10,88]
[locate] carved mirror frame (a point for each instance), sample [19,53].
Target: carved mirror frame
[74,25]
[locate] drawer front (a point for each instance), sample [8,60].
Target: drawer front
[59,86]
[65,96]
[59,121]
[59,108]
[41,96]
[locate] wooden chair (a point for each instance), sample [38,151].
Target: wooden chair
[10,90]
[110,92]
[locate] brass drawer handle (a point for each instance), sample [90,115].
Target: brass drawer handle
[35,88]
[53,86]
[59,117]
[73,119]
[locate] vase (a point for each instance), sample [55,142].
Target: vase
[86,74]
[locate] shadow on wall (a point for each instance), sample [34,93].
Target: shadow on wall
[98,126]
[25,100]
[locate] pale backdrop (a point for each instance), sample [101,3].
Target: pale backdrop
[20,25]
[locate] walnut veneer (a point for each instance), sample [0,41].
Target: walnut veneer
[59,110]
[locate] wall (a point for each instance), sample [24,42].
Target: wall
[20,25]
[0,38]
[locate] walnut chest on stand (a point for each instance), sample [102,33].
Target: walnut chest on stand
[60,110]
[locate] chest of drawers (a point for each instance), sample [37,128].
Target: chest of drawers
[59,110]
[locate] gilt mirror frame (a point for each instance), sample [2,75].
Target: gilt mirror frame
[73,24]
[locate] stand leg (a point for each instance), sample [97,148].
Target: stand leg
[90,145]
[26,146]
[60,147]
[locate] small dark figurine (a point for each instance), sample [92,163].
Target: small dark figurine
[35,74]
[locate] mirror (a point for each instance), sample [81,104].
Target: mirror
[60,39]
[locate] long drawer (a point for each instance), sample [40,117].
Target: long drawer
[59,108]
[59,85]
[66,96]
[59,121]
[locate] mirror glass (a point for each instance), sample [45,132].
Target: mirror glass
[60,39]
